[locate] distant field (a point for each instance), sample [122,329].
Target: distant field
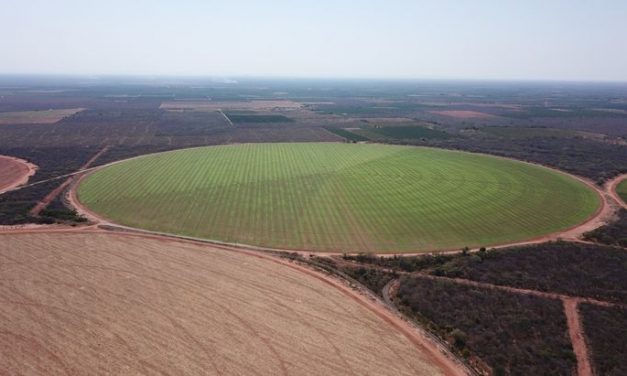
[207,105]
[339,197]
[621,189]
[462,114]
[257,118]
[402,133]
[36,117]
[97,304]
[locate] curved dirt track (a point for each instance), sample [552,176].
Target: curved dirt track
[14,172]
[611,189]
[90,301]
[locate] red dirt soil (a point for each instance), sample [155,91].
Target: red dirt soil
[125,303]
[577,338]
[14,172]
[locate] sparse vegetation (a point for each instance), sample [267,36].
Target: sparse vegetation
[606,331]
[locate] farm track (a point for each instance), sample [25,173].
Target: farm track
[14,173]
[41,205]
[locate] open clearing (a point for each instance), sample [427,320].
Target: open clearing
[14,172]
[36,117]
[95,303]
[339,197]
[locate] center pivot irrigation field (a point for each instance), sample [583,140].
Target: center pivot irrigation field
[339,197]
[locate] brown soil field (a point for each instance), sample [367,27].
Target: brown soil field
[14,172]
[462,114]
[97,303]
[36,117]
[255,105]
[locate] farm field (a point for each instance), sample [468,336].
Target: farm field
[339,197]
[36,117]
[94,303]
[13,172]
[621,190]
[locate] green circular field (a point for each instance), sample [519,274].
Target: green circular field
[339,197]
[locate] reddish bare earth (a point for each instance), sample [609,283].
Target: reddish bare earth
[101,303]
[14,172]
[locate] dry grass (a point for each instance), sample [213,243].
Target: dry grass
[36,117]
[102,303]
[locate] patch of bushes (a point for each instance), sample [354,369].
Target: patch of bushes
[374,279]
[512,333]
[614,233]
[568,268]
[606,333]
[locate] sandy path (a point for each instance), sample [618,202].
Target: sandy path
[285,317]
[610,187]
[14,172]
[41,205]
[576,333]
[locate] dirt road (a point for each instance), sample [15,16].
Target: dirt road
[41,205]
[610,187]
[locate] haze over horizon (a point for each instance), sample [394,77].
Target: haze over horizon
[505,40]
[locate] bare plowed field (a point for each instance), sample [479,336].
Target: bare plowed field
[14,172]
[111,304]
[36,117]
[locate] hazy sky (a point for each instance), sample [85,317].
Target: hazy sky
[478,39]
